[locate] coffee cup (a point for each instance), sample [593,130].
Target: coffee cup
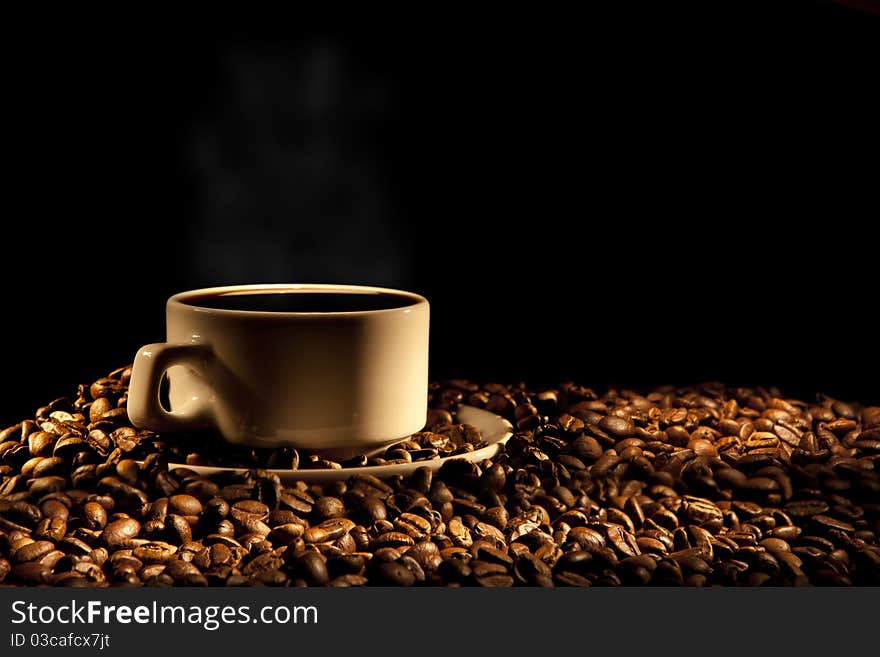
[317,367]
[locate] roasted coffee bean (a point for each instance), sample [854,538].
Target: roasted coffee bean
[392,539]
[44,485]
[30,573]
[616,426]
[806,508]
[94,515]
[224,528]
[348,580]
[701,511]
[587,448]
[249,508]
[21,512]
[702,447]
[828,523]
[177,529]
[54,508]
[329,530]
[155,552]
[74,546]
[41,443]
[120,531]
[412,525]
[125,496]
[531,570]
[32,551]
[184,505]
[424,553]
[265,562]
[312,567]
[413,566]
[202,489]
[484,568]
[328,507]
[394,574]
[52,529]
[286,534]
[249,526]
[454,570]
[374,508]
[215,509]
[622,540]
[128,471]
[604,465]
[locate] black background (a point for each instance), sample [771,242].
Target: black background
[633,196]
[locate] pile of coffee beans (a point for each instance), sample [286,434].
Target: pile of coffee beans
[699,486]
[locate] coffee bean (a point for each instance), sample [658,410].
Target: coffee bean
[587,448]
[806,508]
[761,484]
[702,447]
[348,580]
[827,522]
[570,424]
[313,568]
[32,551]
[31,573]
[52,529]
[328,530]
[41,443]
[616,426]
[215,509]
[530,570]
[119,531]
[392,539]
[604,465]
[225,528]
[677,435]
[286,534]
[566,578]
[94,515]
[622,540]
[394,574]
[155,552]
[184,505]
[22,513]
[648,544]
[44,485]
[412,525]
[484,569]
[177,529]
[126,496]
[53,508]
[328,507]
[424,553]
[496,581]
[266,562]
[454,570]
[700,511]
[413,566]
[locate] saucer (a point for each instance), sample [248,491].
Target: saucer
[494,430]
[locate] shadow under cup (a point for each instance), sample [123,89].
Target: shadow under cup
[329,368]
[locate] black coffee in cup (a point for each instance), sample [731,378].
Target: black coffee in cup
[302,302]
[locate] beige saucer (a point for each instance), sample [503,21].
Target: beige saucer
[494,429]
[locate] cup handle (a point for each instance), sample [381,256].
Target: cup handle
[151,362]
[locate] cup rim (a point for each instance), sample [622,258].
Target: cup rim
[181,299]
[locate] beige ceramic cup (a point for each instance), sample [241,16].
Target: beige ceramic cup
[314,380]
